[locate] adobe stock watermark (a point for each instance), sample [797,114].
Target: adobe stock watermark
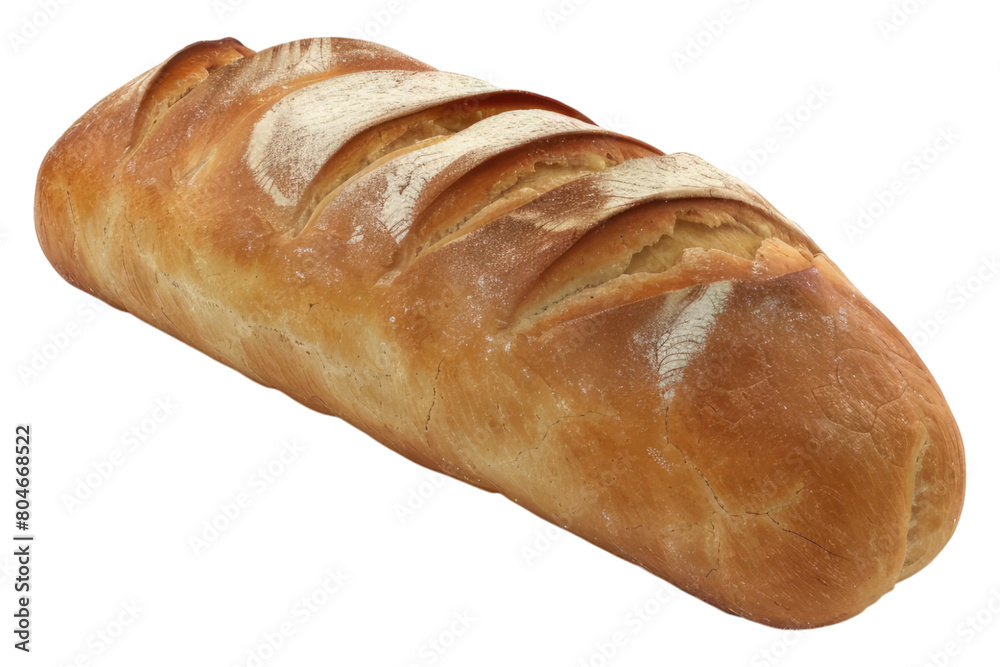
[223,8]
[956,299]
[777,651]
[130,442]
[966,631]
[56,342]
[435,647]
[31,24]
[556,15]
[101,640]
[614,122]
[708,34]
[381,18]
[491,78]
[785,128]
[418,495]
[899,15]
[913,169]
[257,484]
[540,543]
[633,623]
[301,612]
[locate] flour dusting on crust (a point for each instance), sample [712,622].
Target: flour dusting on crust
[295,138]
[408,175]
[687,333]
[654,178]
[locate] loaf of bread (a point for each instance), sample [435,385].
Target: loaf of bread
[629,344]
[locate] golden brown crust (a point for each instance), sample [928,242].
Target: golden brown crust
[632,345]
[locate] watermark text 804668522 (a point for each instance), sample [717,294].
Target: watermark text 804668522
[22,541]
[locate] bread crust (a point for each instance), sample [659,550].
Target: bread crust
[631,345]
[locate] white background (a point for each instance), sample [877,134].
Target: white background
[888,94]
